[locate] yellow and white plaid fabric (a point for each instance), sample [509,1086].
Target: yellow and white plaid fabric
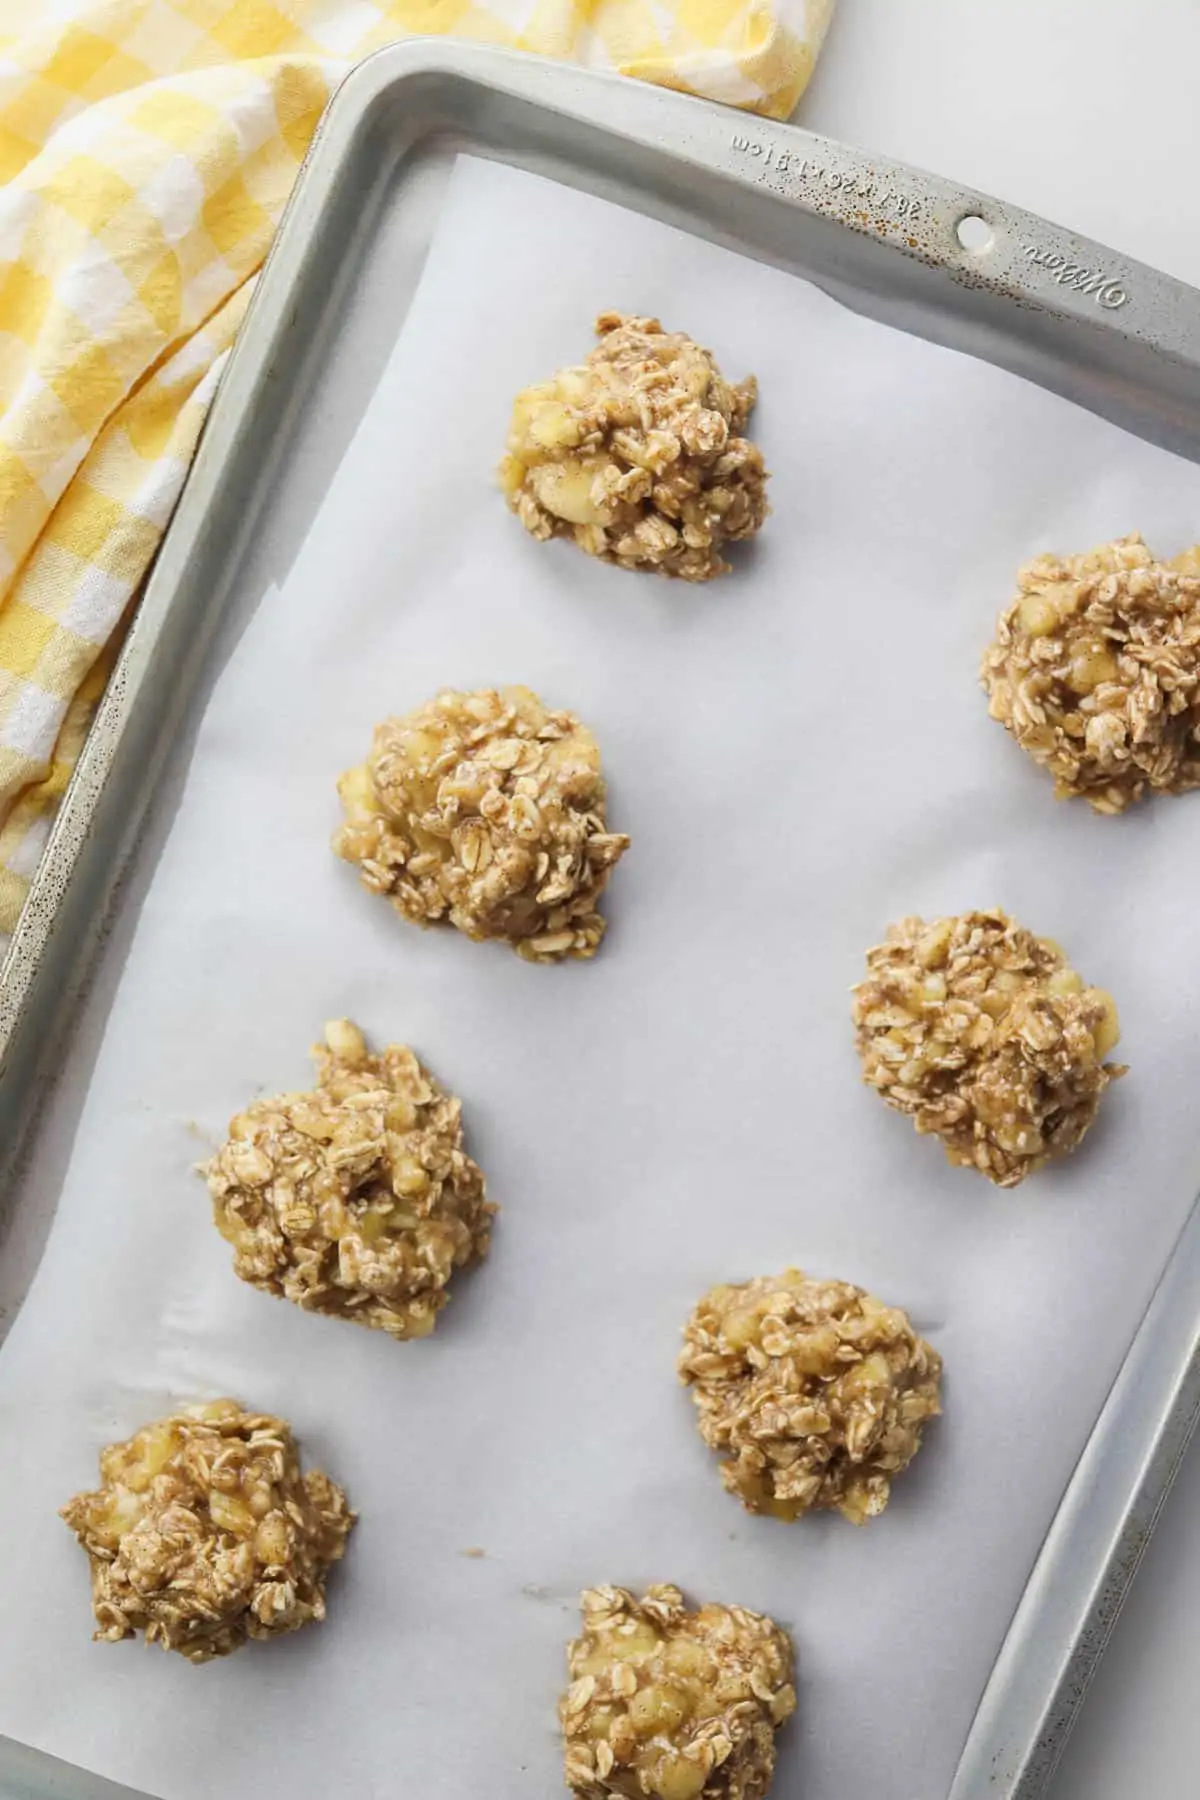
[147,148]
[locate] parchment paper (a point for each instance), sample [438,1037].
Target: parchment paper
[801,754]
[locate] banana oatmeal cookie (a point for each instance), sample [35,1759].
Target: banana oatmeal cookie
[486,811]
[638,454]
[818,1392]
[987,1037]
[673,1704]
[204,1533]
[356,1199]
[1095,671]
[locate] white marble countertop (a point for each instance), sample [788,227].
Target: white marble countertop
[1084,111]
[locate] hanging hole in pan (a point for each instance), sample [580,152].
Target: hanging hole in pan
[974,234]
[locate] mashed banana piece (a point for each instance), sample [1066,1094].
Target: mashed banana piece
[638,454]
[1095,671]
[985,1035]
[356,1199]
[204,1532]
[487,812]
[673,1704]
[818,1392]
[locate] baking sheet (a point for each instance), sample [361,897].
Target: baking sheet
[800,754]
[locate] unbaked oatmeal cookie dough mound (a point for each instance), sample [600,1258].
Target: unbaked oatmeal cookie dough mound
[1095,671]
[672,1704]
[639,454]
[486,811]
[815,1391]
[205,1533]
[987,1037]
[357,1198]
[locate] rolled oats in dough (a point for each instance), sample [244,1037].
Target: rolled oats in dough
[204,1533]
[816,1393]
[986,1036]
[638,454]
[1095,671]
[486,811]
[356,1198]
[672,1704]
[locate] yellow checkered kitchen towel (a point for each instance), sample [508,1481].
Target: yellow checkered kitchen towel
[147,148]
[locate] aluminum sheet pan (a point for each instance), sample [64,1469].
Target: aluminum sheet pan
[1080,320]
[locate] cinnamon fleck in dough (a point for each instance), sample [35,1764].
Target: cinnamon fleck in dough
[986,1036]
[204,1533]
[817,1392]
[487,812]
[1095,671]
[639,454]
[672,1704]
[357,1198]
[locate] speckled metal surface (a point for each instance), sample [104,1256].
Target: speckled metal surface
[1109,333]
